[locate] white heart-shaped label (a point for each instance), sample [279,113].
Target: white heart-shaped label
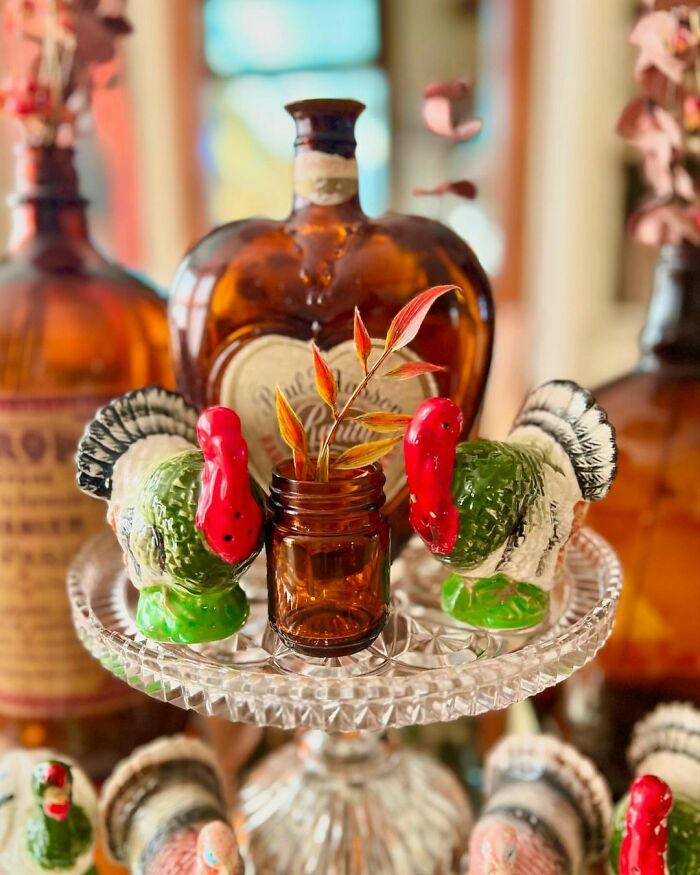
[248,386]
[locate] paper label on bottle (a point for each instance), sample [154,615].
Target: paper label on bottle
[44,519]
[248,386]
[325,179]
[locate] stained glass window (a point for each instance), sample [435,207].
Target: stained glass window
[268,36]
[263,54]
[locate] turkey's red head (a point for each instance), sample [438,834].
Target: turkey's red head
[645,840]
[429,448]
[53,784]
[227,512]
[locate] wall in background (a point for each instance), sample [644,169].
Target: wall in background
[581,79]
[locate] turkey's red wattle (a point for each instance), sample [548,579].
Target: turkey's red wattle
[227,513]
[429,448]
[644,844]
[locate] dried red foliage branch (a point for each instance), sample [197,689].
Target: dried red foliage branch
[326,383]
[446,108]
[446,113]
[293,433]
[664,123]
[403,329]
[462,188]
[363,342]
[55,53]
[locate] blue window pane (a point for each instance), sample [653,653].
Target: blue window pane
[248,138]
[267,36]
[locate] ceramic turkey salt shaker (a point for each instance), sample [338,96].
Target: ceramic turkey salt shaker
[163,812]
[183,507]
[48,815]
[547,810]
[659,819]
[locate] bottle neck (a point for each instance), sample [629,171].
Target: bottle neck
[670,339]
[325,167]
[46,201]
[324,179]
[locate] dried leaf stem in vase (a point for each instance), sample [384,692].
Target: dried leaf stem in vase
[404,327]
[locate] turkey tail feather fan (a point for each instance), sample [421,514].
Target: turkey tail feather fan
[570,416]
[122,423]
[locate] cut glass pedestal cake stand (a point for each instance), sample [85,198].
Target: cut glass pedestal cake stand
[342,800]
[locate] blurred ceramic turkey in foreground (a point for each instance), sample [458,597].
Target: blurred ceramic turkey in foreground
[665,750]
[163,812]
[547,810]
[48,816]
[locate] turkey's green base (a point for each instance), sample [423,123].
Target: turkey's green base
[683,854]
[497,602]
[166,614]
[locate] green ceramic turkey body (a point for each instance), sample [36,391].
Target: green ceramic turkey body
[493,487]
[199,598]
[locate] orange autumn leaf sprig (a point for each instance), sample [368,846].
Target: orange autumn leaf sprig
[403,329]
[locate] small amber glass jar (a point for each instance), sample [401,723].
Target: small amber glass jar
[328,560]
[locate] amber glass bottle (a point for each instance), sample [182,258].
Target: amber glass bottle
[75,329]
[652,518]
[250,296]
[328,560]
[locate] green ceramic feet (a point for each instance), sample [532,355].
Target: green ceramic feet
[167,614]
[497,602]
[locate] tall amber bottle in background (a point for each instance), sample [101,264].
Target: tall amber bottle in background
[652,518]
[75,330]
[250,296]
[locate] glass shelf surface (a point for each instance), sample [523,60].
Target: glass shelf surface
[424,667]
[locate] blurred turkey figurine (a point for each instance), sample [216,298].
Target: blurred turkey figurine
[547,810]
[163,812]
[48,816]
[501,512]
[658,823]
[188,518]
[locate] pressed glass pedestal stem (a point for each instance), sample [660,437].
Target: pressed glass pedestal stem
[352,803]
[328,561]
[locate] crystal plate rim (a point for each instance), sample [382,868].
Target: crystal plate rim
[251,694]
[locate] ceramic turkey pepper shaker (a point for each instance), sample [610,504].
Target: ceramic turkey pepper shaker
[48,815]
[163,812]
[500,513]
[547,810]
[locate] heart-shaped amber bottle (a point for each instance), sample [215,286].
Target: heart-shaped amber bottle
[251,296]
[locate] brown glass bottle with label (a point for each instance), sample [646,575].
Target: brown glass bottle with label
[250,297]
[652,519]
[75,330]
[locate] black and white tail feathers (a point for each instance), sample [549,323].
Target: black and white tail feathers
[571,417]
[168,787]
[120,424]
